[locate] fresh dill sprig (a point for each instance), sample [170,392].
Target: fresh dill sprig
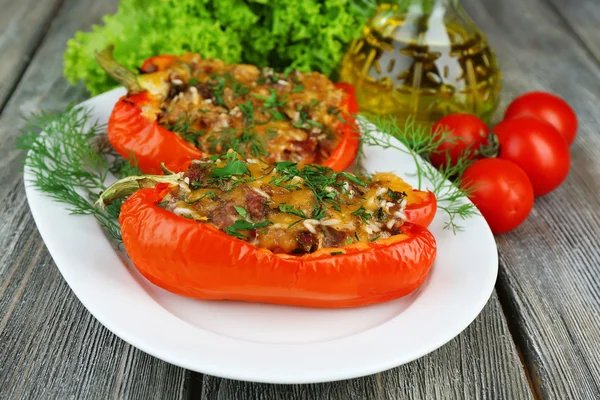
[418,142]
[71,161]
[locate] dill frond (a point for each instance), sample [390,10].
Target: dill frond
[70,162]
[418,142]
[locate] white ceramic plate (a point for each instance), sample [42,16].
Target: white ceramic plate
[269,343]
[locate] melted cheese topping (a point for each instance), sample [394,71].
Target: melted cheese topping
[290,209]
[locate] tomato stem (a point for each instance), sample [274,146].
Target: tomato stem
[492,148]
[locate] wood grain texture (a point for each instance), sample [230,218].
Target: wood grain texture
[550,266]
[583,18]
[50,345]
[22,27]
[481,363]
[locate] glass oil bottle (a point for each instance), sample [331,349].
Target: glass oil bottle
[423,59]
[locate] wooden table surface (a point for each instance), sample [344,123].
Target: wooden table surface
[538,336]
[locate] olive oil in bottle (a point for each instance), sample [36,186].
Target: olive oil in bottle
[423,59]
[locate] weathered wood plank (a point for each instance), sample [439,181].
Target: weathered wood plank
[481,363]
[50,346]
[583,17]
[22,27]
[551,264]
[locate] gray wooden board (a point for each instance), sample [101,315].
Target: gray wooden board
[583,18]
[50,345]
[481,363]
[22,27]
[551,264]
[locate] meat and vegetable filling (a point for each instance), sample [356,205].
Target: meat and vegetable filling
[257,112]
[287,208]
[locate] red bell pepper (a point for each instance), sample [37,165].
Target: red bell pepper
[421,212]
[198,260]
[131,132]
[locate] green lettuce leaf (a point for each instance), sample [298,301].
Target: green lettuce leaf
[306,34]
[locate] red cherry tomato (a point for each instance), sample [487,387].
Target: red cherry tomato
[501,191]
[537,148]
[547,107]
[467,134]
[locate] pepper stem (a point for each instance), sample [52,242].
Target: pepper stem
[127,186]
[117,71]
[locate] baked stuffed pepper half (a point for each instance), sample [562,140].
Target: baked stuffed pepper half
[242,229]
[180,108]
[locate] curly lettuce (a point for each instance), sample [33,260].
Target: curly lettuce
[304,34]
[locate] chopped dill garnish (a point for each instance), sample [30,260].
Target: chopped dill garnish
[272,101]
[336,112]
[318,212]
[379,214]
[294,223]
[395,196]
[247,109]
[288,209]
[375,238]
[303,113]
[218,89]
[239,89]
[184,127]
[362,213]
[277,114]
[271,133]
[243,225]
[227,139]
[210,194]
[354,179]
[314,123]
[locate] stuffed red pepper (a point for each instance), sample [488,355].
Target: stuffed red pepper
[241,229]
[180,108]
